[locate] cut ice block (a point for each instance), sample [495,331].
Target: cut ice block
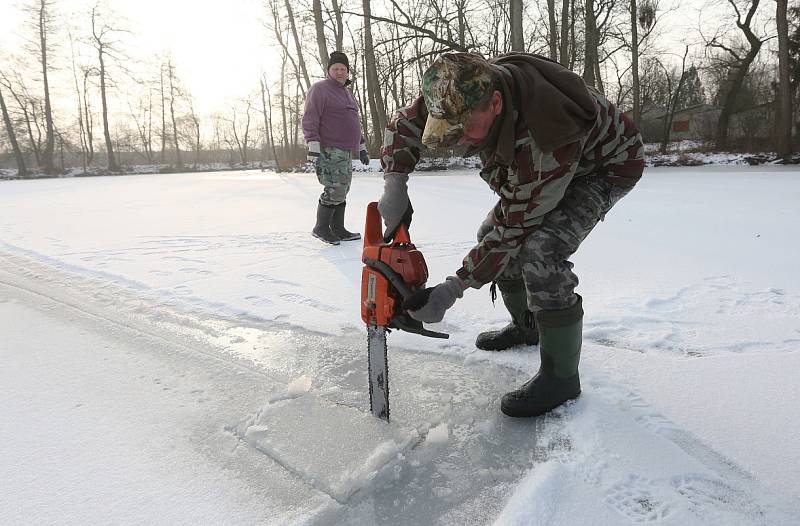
[335,448]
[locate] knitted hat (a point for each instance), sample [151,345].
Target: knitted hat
[337,57]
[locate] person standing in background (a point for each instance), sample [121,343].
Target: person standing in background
[332,130]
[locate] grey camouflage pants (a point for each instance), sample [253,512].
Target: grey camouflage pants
[335,173]
[542,261]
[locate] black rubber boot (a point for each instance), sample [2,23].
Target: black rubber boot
[322,229]
[557,380]
[521,330]
[337,225]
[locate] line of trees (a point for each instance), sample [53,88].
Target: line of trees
[146,114]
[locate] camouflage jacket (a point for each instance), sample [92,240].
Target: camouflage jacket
[532,182]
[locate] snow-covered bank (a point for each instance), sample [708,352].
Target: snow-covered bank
[689,370]
[679,154]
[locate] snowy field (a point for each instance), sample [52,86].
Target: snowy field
[177,349]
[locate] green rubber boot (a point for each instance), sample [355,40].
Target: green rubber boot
[557,381]
[521,330]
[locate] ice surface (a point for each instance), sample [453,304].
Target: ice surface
[691,336]
[333,447]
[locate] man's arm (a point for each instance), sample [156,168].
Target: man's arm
[401,140]
[399,157]
[525,197]
[312,114]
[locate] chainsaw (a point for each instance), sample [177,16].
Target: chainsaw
[392,272]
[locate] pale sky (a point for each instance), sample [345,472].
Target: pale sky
[219,48]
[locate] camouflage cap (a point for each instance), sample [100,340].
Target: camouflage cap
[452,86]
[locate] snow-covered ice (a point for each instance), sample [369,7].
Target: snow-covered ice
[177,349]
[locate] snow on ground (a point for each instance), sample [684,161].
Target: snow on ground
[179,349]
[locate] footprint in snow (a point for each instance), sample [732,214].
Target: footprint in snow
[258,300]
[639,499]
[310,302]
[706,495]
[263,278]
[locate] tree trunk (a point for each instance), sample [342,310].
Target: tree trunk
[637,104]
[572,38]
[553,33]
[299,49]
[196,123]
[784,116]
[172,91]
[590,55]
[47,154]
[246,135]
[376,106]
[81,127]
[564,50]
[12,138]
[319,25]
[284,122]
[461,7]
[112,163]
[737,75]
[672,106]
[268,121]
[515,16]
[22,104]
[163,118]
[88,119]
[337,15]
[598,76]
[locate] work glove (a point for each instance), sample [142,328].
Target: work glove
[364,156]
[313,152]
[394,206]
[429,305]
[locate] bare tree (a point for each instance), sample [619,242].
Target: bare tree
[163,114]
[40,12]
[376,106]
[740,58]
[195,131]
[515,19]
[552,32]
[105,44]
[673,102]
[637,103]
[174,91]
[297,46]
[784,84]
[266,111]
[590,46]
[319,26]
[28,107]
[643,14]
[80,98]
[12,138]
[142,117]
[563,52]
[240,132]
[88,117]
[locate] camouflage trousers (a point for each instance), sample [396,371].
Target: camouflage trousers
[542,261]
[335,173]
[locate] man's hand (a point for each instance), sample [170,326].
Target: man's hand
[394,205]
[429,305]
[364,156]
[313,151]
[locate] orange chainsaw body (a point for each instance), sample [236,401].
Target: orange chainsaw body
[383,291]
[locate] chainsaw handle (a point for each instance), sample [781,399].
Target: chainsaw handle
[400,233]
